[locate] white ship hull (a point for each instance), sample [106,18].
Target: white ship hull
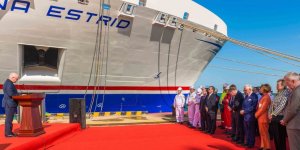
[141,62]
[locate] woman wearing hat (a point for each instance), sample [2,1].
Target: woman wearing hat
[178,105]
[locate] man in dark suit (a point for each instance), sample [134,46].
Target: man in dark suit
[8,103]
[237,118]
[292,111]
[211,110]
[248,110]
[202,109]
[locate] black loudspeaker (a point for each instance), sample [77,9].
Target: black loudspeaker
[77,111]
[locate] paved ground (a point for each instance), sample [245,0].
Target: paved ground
[115,120]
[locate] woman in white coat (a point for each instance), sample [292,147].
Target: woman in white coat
[197,115]
[178,105]
[191,99]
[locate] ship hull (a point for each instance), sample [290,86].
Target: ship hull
[139,67]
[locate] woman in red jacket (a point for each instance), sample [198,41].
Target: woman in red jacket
[227,113]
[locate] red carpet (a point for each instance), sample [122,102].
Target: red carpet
[54,133]
[146,137]
[135,137]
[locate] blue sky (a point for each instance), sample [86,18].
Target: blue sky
[273,24]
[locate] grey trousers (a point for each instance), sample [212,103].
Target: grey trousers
[294,139]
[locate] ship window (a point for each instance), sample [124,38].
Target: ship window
[216,27]
[127,8]
[41,63]
[40,57]
[186,16]
[162,18]
[142,2]
[31,56]
[51,57]
[173,21]
[84,2]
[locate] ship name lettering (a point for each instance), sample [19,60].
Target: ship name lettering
[16,5]
[74,14]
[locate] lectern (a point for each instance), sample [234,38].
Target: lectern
[31,123]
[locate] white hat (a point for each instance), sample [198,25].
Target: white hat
[225,85]
[199,91]
[179,89]
[192,87]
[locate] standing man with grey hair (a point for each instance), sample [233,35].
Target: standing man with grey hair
[8,103]
[248,111]
[292,111]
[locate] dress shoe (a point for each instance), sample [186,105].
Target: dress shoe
[235,139]
[244,144]
[240,142]
[250,146]
[10,135]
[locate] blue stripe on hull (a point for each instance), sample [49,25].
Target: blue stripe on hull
[59,103]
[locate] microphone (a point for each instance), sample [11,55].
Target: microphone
[21,88]
[25,89]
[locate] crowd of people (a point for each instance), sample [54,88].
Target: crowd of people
[255,112]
